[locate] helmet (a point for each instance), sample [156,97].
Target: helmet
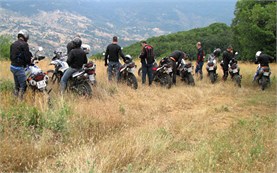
[86,48]
[128,59]
[258,53]
[23,33]
[77,42]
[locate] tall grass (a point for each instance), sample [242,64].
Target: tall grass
[205,128]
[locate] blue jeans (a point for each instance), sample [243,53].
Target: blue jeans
[19,80]
[68,73]
[147,69]
[113,66]
[199,67]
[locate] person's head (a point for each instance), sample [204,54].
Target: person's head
[230,49]
[198,44]
[23,34]
[115,39]
[143,43]
[77,42]
[185,57]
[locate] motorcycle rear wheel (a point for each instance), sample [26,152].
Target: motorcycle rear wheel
[212,77]
[237,79]
[166,81]
[83,89]
[264,82]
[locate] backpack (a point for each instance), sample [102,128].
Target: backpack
[150,57]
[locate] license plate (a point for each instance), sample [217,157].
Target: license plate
[235,70]
[266,73]
[91,78]
[131,70]
[190,69]
[41,84]
[211,68]
[169,70]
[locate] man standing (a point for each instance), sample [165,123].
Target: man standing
[112,54]
[200,60]
[227,57]
[147,59]
[20,57]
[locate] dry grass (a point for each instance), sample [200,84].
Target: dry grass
[206,128]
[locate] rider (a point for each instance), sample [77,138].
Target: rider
[20,57]
[112,53]
[227,57]
[71,45]
[263,60]
[76,58]
[200,60]
[176,57]
[147,59]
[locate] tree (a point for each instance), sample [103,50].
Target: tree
[254,27]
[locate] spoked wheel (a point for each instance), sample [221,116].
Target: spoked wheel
[237,80]
[166,81]
[83,89]
[132,81]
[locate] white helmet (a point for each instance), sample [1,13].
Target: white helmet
[86,48]
[23,33]
[128,58]
[258,53]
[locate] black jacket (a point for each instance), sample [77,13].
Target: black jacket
[264,60]
[112,53]
[177,56]
[147,55]
[200,55]
[70,46]
[76,58]
[227,57]
[20,54]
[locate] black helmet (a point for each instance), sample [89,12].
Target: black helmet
[77,42]
[23,33]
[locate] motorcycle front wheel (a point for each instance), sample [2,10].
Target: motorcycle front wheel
[132,81]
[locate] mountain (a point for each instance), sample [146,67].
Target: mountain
[53,23]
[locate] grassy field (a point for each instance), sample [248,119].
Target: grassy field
[205,128]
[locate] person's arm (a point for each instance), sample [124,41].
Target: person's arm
[143,53]
[121,54]
[27,54]
[70,58]
[106,56]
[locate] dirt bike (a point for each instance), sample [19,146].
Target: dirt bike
[163,74]
[263,78]
[211,68]
[234,72]
[36,79]
[80,82]
[60,65]
[185,71]
[126,74]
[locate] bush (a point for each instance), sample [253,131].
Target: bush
[5,42]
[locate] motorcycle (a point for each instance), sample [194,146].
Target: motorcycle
[126,73]
[211,68]
[263,78]
[36,79]
[163,73]
[234,71]
[60,65]
[185,71]
[80,82]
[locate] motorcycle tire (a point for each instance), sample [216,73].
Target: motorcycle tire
[237,79]
[264,82]
[132,81]
[54,77]
[83,89]
[191,80]
[212,77]
[166,81]
[140,71]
